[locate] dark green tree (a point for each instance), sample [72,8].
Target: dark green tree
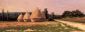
[67,14]
[7,15]
[2,14]
[46,13]
[77,13]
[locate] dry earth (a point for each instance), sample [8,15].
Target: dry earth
[33,24]
[15,24]
[73,24]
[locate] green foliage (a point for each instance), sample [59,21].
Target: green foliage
[46,13]
[75,13]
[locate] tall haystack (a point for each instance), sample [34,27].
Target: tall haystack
[26,17]
[37,16]
[20,17]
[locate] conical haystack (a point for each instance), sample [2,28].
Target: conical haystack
[26,17]
[36,15]
[20,17]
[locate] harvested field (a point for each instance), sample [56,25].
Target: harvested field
[14,24]
[36,27]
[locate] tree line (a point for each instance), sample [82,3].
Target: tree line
[65,14]
[12,16]
[75,13]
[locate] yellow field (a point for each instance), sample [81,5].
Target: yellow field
[51,26]
[14,24]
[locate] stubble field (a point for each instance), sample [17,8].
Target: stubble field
[48,26]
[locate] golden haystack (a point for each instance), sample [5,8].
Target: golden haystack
[37,15]
[20,17]
[26,17]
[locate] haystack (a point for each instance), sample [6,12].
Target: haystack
[20,18]
[26,17]
[37,16]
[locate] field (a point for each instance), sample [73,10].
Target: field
[76,19]
[49,26]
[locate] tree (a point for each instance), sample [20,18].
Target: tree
[46,13]
[77,13]
[67,14]
[7,15]
[2,14]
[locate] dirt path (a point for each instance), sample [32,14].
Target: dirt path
[79,25]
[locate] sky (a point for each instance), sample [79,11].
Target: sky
[56,6]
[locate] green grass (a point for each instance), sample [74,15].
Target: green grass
[58,27]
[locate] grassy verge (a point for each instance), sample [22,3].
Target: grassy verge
[77,20]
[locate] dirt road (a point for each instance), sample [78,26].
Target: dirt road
[79,25]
